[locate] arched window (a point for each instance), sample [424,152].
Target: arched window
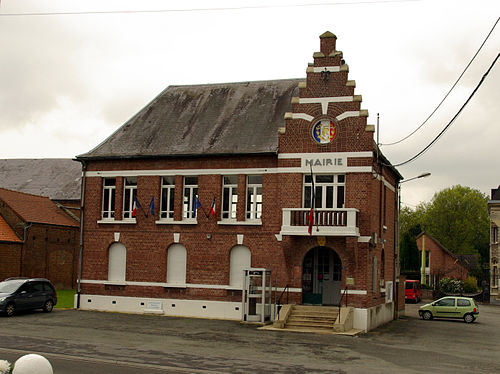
[240,258]
[117,264]
[176,264]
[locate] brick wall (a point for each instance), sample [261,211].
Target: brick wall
[208,259]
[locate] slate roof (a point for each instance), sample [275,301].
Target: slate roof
[36,209]
[6,233]
[56,178]
[210,119]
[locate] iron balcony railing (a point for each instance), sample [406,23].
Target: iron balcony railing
[327,222]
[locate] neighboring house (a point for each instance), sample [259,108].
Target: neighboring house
[494,212]
[37,239]
[56,178]
[251,154]
[440,262]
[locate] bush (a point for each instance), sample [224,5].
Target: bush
[470,285]
[451,285]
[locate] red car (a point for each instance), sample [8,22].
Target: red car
[413,290]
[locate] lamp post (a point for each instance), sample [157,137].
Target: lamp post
[396,257]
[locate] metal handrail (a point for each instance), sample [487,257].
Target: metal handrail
[279,299]
[341,297]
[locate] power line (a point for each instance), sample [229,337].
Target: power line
[452,87]
[204,9]
[453,119]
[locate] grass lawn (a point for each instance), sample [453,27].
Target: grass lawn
[65,298]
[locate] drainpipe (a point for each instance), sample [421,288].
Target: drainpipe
[25,229]
[80,256]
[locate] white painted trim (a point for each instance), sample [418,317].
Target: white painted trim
[386,183]
[176,285]
[188,172]
[172,222]
[324,101]
[329,154]
[355,113]
[242,223]
[364,239]
[332,69]
[303,116]
[127,221]
[356,292]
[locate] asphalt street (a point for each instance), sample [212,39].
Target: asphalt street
[94,342]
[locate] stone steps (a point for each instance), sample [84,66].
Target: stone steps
[312,318]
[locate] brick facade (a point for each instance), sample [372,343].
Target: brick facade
[442,262]
[370,196]
[45,249]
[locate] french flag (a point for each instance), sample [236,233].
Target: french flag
[212,208]
[135,205]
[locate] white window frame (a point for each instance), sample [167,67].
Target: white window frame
[322,190]
[230,203]
[129,194]
[108,202]
[190,191]
[167,198]
[253,199]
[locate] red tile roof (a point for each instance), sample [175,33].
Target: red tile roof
[6,233]
[37,209]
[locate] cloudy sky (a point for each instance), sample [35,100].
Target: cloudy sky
[67,81]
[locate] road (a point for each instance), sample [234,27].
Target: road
[92,342]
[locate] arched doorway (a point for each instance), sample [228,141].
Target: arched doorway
[321,277]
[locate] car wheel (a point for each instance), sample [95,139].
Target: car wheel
[427,315]
[10,309]
[48,306]
[469,318]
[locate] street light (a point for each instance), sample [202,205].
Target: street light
[423,175]
[396,258]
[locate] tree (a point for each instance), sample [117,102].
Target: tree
[457,217]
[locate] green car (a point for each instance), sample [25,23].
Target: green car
[450,307]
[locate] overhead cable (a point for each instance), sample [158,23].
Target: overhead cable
[205,9]
[452,120]
[451,89]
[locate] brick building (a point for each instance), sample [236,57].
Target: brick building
[253,152]
[494,213]
[37,239]
[440,262]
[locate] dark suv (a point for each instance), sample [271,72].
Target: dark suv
[18,294]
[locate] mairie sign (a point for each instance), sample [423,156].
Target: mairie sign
[333,163]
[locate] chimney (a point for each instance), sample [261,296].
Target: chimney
[328,41]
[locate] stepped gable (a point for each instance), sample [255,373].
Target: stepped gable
[210,119]
[326,108]
[36,209]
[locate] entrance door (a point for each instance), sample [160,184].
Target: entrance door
[321,277]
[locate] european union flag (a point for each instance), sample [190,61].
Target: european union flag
[196,205]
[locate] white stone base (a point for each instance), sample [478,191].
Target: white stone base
[167,307]
[369,318]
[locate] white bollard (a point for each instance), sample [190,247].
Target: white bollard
[32,364]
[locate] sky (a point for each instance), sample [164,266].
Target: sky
[67,81]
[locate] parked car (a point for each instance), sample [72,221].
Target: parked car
[18,294]
[413,291]
[450,307]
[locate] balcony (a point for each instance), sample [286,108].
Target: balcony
[327,222]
